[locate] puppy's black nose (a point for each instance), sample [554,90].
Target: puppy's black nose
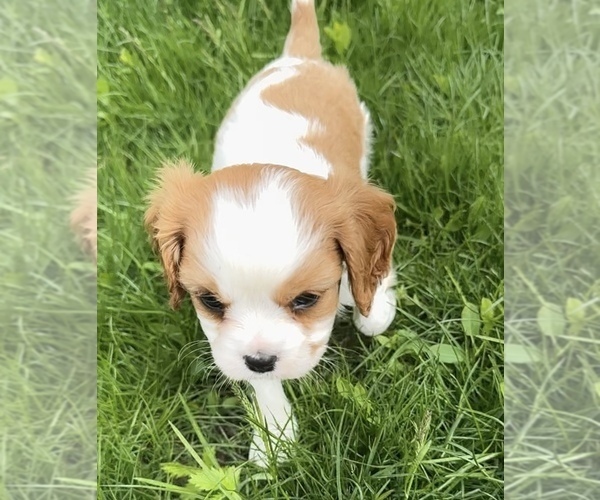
[261,363]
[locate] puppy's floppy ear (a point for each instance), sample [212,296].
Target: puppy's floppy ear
[366,235]
[165,219]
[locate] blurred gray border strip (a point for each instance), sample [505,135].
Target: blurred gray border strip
[47,281]
[552,253]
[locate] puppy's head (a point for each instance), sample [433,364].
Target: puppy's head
[260,250]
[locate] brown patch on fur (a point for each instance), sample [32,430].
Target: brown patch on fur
[243,180]
[326,94]
[84,217]
[303,37]
[319,274]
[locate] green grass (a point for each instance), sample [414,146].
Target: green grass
[47,292]
[431,73]
[553,249]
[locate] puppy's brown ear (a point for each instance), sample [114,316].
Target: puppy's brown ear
[165,220]
[366,236]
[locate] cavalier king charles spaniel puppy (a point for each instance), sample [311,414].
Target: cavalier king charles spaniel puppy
[285,231]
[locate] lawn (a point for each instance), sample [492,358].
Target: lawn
[416,413]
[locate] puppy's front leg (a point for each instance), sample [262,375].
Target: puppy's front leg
[276,418]
[383,308]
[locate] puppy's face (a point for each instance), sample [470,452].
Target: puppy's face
[260,250]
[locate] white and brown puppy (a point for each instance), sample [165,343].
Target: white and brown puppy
[285,229]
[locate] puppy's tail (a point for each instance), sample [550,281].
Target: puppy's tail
[303,38]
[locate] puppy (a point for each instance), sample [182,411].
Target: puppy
[285,229]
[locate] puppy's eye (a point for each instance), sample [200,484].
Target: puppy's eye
[304,301]
[211,303]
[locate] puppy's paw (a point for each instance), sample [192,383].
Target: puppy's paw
[383,311]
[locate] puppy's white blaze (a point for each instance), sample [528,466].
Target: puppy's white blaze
[264,327]
[256,132]
[253,247]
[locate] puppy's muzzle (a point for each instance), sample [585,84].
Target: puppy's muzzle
[260,363]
